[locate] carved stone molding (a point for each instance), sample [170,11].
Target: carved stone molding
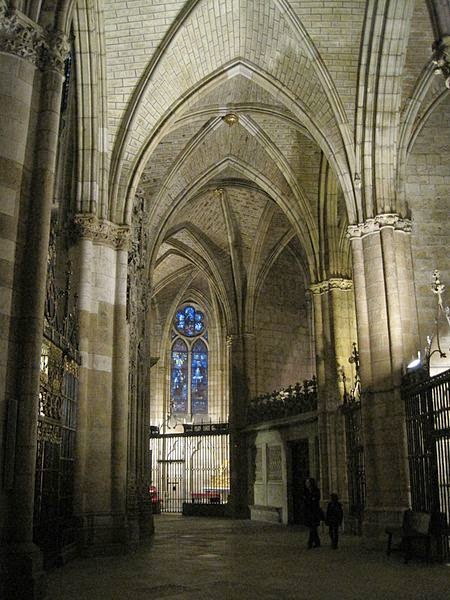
[377,223]
[100,231]
[24,38]
[334,283]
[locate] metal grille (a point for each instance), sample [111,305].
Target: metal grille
[428,432]
[54,528]
[355,460]
[190,467]
[53,524]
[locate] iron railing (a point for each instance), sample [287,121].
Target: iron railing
[293,400]
[190,467]
[427,405]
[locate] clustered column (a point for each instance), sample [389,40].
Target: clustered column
[334,328]
[31,68]
[387,339]
[100,257]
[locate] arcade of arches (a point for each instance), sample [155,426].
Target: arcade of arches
[280,166]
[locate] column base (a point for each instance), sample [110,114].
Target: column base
[21,572]
[103,534]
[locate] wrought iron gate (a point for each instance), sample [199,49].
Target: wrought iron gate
[191,467]
[427,406]
[351,409]
[54,527]
[355,460]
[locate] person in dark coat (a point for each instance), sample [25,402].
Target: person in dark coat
[312,511]
[334,519]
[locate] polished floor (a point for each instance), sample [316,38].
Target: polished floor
[219,559]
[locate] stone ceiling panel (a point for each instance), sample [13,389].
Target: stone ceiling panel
[246,207]
[170,264]
[335,29]
[302,153]
[279,227]
[205,213]
[239,90]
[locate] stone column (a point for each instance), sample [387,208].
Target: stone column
[31,65]
[387,339]
[238,503]
[334,332]
[103,394]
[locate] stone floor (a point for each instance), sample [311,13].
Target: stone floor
[219,559]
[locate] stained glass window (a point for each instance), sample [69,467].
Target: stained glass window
[189,363]
[189,321]
[199,378]
[179,377]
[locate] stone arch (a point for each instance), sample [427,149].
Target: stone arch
[138,117]
[335,155]
[270,149]
[258,179]
[206,264]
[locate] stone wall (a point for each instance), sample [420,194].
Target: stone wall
[428,189]
[283,328]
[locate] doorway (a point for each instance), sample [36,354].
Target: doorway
[299,454]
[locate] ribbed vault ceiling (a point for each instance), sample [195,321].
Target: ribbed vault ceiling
[224,201]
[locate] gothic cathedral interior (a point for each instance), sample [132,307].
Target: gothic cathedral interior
[224,257]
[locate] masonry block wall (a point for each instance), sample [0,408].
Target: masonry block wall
[427,190]
[283,328]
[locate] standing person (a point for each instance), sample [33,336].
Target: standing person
[313,512]
[334,519]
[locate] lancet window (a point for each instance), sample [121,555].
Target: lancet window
[189,362]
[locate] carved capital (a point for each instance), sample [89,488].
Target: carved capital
[441,58]
[377,223]
[100,231]
[319,288]
[24,38]
[19,36]
[334,283]
[55,52]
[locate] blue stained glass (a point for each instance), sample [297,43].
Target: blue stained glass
[179,377]
[199,378]
[189,321]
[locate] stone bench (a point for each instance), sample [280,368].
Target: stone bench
[270,514]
